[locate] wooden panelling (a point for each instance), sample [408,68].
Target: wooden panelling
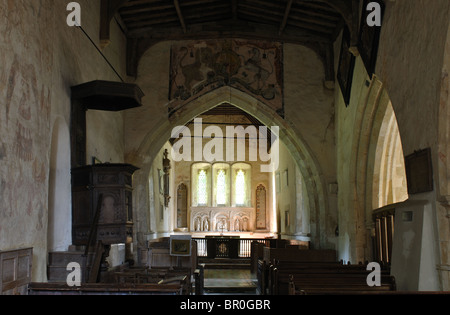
[15,271]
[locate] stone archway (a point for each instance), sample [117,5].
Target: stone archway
[388,182]
[376,151]
[308,166]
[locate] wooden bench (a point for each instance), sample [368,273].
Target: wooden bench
[320,284]
[291,254]
[156,276]
[324,278]
[199,279]
[105,289]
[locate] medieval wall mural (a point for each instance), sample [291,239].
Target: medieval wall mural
[24,116]
[198,67]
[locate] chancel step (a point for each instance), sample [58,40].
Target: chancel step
[226,263]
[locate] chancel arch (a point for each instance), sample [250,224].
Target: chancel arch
[306,163]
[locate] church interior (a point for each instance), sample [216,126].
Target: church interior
[146,143]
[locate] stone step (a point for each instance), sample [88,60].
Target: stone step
[225,263]
[226,266]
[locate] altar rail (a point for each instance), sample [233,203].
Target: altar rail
[227,247]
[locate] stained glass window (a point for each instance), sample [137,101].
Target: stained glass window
[221,188]
[202,191]
[240,188]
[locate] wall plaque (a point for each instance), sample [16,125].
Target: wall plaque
[419,171]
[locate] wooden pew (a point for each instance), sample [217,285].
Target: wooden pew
[105,289]
[257,253]
[199,279]
[320,284]
[156,276]
[324,278]
[292,254]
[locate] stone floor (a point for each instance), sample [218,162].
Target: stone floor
[230,281]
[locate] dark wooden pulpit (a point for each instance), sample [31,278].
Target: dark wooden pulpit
[102,204]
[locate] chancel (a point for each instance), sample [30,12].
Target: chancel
[208,146]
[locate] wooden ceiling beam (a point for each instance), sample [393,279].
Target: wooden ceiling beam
[209,17]
[270,6]
[318,29]
[153,16]
[234,9]
[145,10]
[139,41]
[136,25]
[349,10]
[260,15]
[201,3]
[217,8]
[316,14]
[313,21]
[180,15]
[108,9]
[140,2]
[286,16]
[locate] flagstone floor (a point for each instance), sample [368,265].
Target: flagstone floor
[229,281]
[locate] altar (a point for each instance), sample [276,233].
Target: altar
[222,219]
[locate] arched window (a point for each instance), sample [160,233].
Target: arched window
[202,188]
[221,185]
[201,185]
[240,188]
[221,190]
[241,185]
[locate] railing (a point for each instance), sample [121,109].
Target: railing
[226,247]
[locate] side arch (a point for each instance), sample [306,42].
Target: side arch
[375,150]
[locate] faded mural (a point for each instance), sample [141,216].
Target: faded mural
[24,117]
[198,67]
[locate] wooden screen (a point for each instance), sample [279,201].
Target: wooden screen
[384,235]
